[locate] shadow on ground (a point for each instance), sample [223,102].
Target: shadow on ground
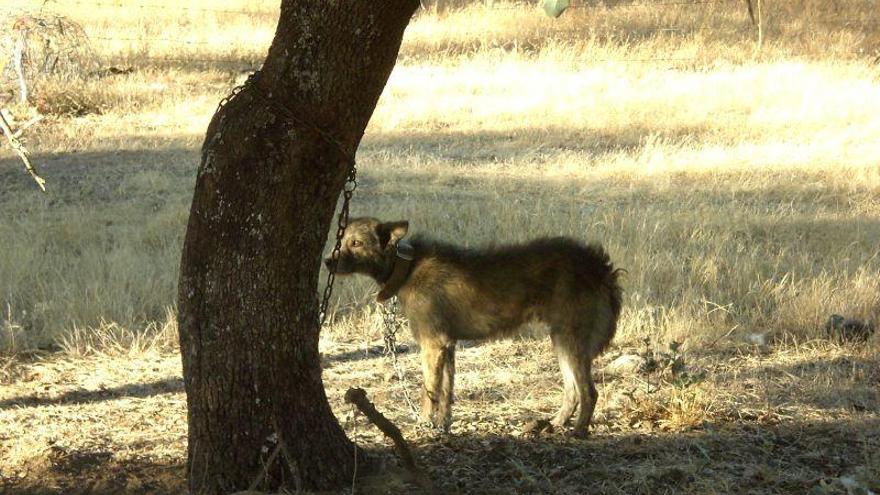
[98,473]
[97,177]
[360,354]
[139,390]
[791,457]
[855,382]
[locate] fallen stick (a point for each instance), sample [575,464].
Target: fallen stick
[358,397]
[21,151]
[27,124]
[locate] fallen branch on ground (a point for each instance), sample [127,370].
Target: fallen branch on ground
[358,397]
[20,150]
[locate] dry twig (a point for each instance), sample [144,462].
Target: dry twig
[20,150]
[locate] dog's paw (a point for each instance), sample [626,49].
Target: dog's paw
[575,433]
[432,427]
[434,430]
[442,426]
[536,427]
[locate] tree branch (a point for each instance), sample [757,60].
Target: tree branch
[21,151]
[358,397]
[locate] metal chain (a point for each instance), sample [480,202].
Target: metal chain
[342,222]
[235,91]
[392,326]
[347,189]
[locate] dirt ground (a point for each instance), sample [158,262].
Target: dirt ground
[742,419]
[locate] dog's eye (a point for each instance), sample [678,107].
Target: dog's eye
[356,243]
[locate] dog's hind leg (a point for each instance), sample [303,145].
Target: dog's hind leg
[570,383]
[430,354]
[588,397]
[447,383]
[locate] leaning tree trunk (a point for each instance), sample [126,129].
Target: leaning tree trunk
[273,163]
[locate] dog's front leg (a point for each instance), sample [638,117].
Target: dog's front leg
[433,357]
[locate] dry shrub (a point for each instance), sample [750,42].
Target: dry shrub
[66,100]
[112,339]
[47,51]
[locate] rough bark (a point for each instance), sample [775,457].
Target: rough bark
[264,199]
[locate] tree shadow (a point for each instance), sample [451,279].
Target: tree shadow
[190,61]
[75,177]
[139,390]
[361,354]
[854,395]
[180,155]
[87,177]
[96,472]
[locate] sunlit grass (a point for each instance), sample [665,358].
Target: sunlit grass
[717,175]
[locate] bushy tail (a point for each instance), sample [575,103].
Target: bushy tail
[610,285]
[615,297]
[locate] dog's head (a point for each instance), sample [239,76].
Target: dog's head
[368,247]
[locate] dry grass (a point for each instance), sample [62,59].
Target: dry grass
[739,189]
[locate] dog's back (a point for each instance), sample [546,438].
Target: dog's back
[475,294]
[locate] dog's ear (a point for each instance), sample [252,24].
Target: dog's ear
[391,232]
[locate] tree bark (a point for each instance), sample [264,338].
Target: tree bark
[264,198]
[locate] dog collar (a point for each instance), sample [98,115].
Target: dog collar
[403,258]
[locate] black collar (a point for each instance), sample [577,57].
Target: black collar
[403,259]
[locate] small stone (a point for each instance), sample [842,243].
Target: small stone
[626,364]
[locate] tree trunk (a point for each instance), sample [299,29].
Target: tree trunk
[273,163]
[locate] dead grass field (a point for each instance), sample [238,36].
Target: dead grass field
[740,190]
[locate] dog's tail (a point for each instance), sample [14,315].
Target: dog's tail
[615,296]
[610,287]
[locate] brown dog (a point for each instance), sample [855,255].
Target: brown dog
[449,293]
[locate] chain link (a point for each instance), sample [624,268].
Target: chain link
[342,222]
[392,327]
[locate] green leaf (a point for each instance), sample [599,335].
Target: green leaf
[555,8]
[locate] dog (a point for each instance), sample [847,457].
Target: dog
[449,293]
